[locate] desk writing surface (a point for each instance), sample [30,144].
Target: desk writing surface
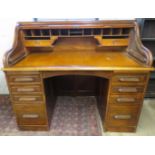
[78,54]
[75,59]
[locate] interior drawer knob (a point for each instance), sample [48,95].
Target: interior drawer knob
[122,117]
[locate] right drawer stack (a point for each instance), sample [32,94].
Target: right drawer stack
[125,101]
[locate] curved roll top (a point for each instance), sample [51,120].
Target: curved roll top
[31,35]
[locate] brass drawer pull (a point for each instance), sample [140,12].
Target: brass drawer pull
[25,89]
[122,117]
[125,99]
[27,99]
[30,116]
[130,90]
[129,79]
[22,79]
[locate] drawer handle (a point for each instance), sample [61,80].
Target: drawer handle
[129,79]
[23,79]
[27,99]
[131,90]
[126,99]
[25,89]
[30,116]
[122,117]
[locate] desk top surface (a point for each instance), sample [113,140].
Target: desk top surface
[72,55]
[78,60]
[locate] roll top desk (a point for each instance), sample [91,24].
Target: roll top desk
[101,58]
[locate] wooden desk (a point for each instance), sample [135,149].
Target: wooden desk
[101,58]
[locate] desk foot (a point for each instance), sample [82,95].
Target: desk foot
[120,129]
[34,127]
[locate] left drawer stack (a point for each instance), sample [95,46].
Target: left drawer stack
[27,96]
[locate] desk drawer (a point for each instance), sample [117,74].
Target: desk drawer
[28,99]
[126,99]
[37,43]
[115,42]
[126,89]
[24,79]
[128,78]
[123,116]
[25,89]
[31,115]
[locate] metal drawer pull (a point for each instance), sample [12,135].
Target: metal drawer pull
[25,89]
[129,79]
[27,99]
[132,90]
[122,117]
[23,79]
[126,99]
[30,115]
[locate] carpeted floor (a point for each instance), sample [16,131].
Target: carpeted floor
[75,116]
[72,116]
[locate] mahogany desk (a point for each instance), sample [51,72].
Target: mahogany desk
[101,58]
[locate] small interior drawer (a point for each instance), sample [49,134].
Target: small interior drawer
[24,78]
[115,42]
[126,89]
[126,99]
[30,115]
[123,116]
[28,99]
[25,89]
[129,78]
[37,43]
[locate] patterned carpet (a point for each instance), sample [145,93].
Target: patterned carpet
[72,116]
[79,116]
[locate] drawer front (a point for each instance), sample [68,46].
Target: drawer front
[24,79]
[30,115]
[123,116]
[126,89]
[17,73]
[126,99]
[28,99]
[25,89]
[115,42]
[129,78]
[37,43]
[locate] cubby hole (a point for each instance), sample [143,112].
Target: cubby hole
[27,33]
[55,32]
[64,32]
[45,32]
[36,32]
[107,31]
[75,32]
[87,31]
[125,31]
[97,31]
[116,31]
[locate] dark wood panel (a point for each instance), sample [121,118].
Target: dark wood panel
[75,85]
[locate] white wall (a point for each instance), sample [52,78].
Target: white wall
[7,27]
